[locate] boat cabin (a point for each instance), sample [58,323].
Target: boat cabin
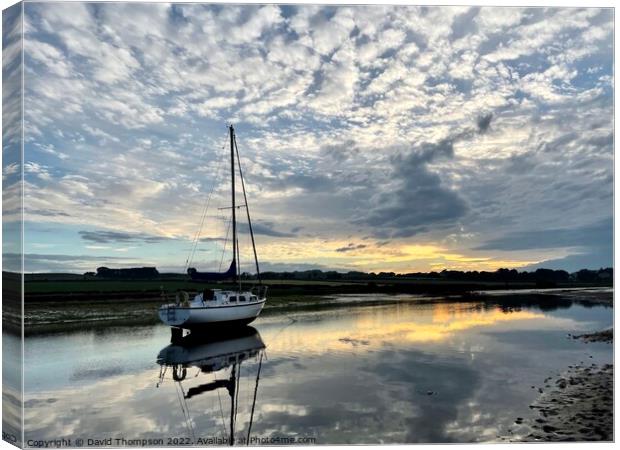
[218,297]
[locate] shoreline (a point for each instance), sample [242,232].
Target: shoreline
[54,316]
[579,406]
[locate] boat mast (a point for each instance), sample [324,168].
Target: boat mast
[234,208]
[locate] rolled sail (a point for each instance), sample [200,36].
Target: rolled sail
[214,276]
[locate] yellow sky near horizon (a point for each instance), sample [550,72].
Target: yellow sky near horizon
[392,257]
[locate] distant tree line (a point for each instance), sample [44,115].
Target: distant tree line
[129,273]
[539,276]
[500,275]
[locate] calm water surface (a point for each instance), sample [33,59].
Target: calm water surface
[393,373]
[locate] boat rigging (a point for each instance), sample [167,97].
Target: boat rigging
[237,306]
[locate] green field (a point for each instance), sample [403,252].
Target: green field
[83,286]
[37,287]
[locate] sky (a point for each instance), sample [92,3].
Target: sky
[372,138]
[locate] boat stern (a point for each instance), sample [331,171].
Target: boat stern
[173,316]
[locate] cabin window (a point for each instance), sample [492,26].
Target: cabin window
[242,298]
[253,298]
[232,298]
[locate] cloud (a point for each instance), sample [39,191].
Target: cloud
[351,247]
[212,239]
[294,266]
[96,132]
[599,234]
[12,42]
[351,120]
[602,258]
[265,229]
[418,200]
[484,122]
[36,262]
[106,237]
[48,213]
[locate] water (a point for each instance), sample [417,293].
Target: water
[387,373]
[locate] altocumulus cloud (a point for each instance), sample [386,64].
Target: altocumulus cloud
[409,123]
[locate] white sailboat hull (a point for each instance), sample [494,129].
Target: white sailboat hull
[188,317]
[217,306]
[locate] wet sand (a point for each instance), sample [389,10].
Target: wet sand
[578,408]
[578,405]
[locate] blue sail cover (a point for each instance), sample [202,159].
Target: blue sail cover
[214,276]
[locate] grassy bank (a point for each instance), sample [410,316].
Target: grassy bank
[39,289]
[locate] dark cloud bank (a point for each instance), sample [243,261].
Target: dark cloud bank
[419,200]
[592,244]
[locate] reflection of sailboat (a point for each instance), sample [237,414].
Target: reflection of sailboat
[212,354]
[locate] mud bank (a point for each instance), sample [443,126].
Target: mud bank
[599,336]
[579,407]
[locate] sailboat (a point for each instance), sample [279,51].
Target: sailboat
[220,307]
[211,355]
